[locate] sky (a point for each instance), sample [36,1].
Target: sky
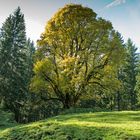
[124,14]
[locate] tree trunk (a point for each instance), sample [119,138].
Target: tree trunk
[68,101]
[133,100]
[118,101]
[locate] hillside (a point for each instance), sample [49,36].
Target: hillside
[83,126]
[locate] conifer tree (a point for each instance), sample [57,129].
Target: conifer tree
[131,73]
[13,57]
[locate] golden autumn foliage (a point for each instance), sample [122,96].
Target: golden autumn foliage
[77,50]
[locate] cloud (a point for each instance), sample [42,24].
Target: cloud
[115,3]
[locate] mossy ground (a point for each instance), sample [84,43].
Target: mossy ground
[81,126]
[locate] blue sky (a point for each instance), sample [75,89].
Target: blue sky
[124,14]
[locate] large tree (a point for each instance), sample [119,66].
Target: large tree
[13,60]
[76,51]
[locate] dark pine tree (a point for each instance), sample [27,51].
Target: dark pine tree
[131,73]
[13,85]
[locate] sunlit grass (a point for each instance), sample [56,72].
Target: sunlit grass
[83,126]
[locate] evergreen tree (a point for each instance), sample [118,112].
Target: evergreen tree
[131,73]
[30,53]
[137,87]
[126,96]
[13,62]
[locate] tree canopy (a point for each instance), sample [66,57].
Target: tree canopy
[77,50]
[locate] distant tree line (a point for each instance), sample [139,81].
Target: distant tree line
[79,61]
